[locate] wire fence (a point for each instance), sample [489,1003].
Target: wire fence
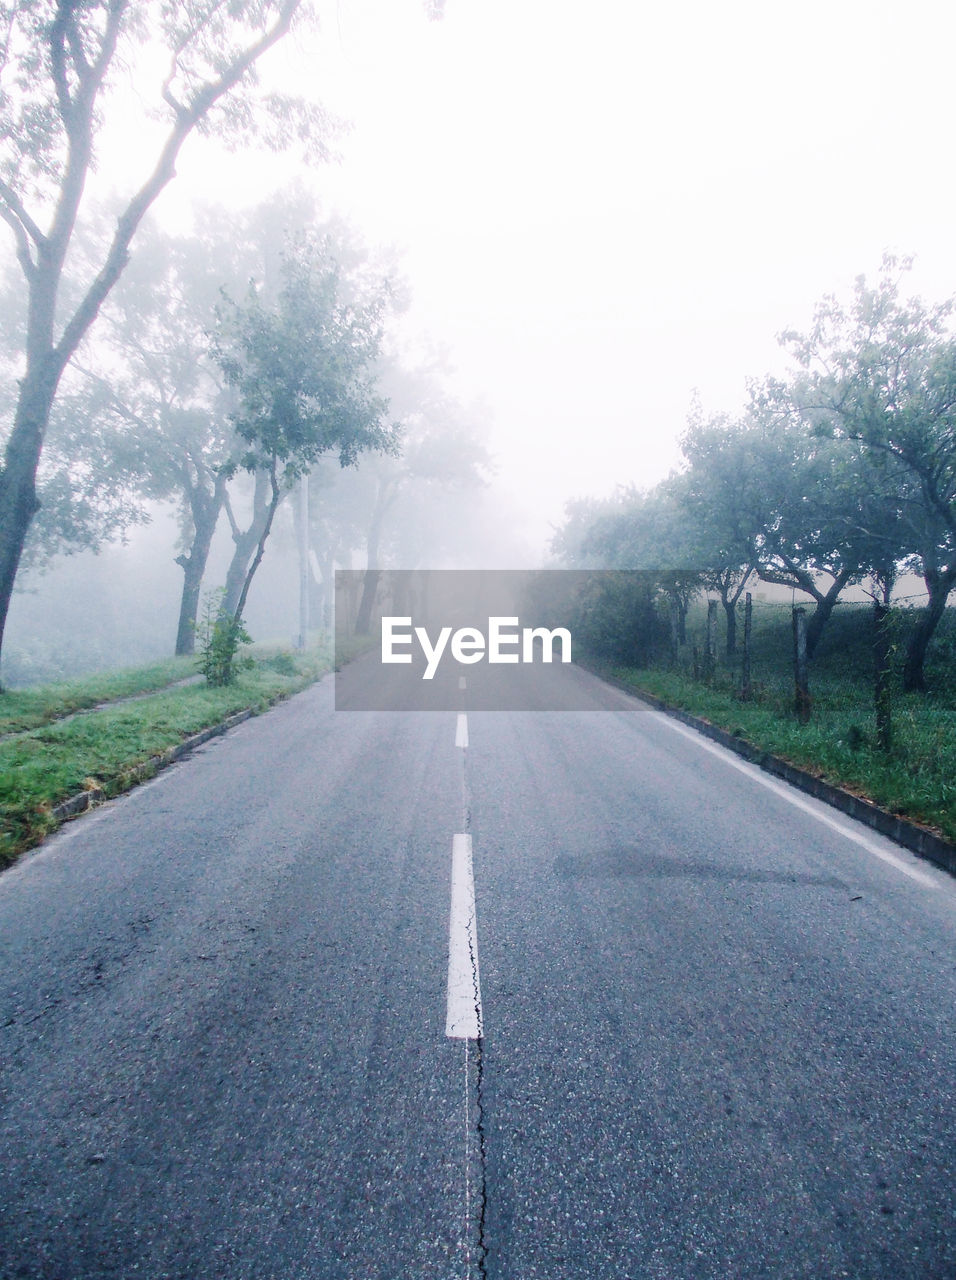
[853,670]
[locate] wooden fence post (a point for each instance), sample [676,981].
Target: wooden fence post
[675,629]
[710,649]
[745,689]
[801,679]
[881,676]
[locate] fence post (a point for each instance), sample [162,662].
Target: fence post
[881,673]
[745,690]
[801,679]
[710,649]
[675,629]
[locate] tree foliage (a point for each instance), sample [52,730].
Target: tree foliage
[60,73]
[879,375]
[842,473]
[302,369]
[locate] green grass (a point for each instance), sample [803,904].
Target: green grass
[916,778]
[115,746]
[29,708]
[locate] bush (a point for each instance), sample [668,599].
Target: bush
[219,636]
[619,620]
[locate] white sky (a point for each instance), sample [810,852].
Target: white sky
[604,206]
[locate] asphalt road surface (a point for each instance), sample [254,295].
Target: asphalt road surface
[673,1019]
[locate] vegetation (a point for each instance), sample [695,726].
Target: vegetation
[60,67]
[843,474]
[23,709]
[140,367]
[220,637]
[228,408]
[300,367]
[57,754]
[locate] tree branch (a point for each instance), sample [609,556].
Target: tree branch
[16,208]
[118,254]
[58,65]
[22,242]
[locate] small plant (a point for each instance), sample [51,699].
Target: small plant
[219,636]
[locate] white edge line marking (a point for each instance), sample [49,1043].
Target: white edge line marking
[461,730]
[787,793]
[463,1016]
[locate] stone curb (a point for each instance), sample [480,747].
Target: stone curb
[924,843]
[88,799]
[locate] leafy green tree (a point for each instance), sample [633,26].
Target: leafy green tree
[302,369]
[716,522]
[881,372]
[572,543]
[161,390]
[59,76]
[90,475]
[801,509]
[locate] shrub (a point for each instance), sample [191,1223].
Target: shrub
[219,636]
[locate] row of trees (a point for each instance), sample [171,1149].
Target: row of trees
[232,367]
[843,473]
[171,372]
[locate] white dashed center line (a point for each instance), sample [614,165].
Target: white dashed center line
[463,1018]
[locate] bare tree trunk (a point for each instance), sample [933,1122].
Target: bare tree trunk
[710,647]
[18,494]
[730,612]
[746,691]
[205,508]
[273,506]
[794,576]
[821,614]
[939,583]
[246,541]
[730,593]
[383,500]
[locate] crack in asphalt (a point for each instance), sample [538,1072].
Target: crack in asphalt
[482,1258]
[481,1190]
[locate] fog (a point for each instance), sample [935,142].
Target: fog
[597,214]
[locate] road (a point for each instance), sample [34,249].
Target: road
[716,1018]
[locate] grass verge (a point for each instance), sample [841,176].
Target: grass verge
[22,709]
[113,747]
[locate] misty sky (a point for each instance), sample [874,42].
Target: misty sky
[602,207]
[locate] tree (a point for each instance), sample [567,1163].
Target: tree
[803,507]
[572,543]
[58,70]
[89,477]
[717,523]
[302,370]
[158,384]
[882,373]
[440,452]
